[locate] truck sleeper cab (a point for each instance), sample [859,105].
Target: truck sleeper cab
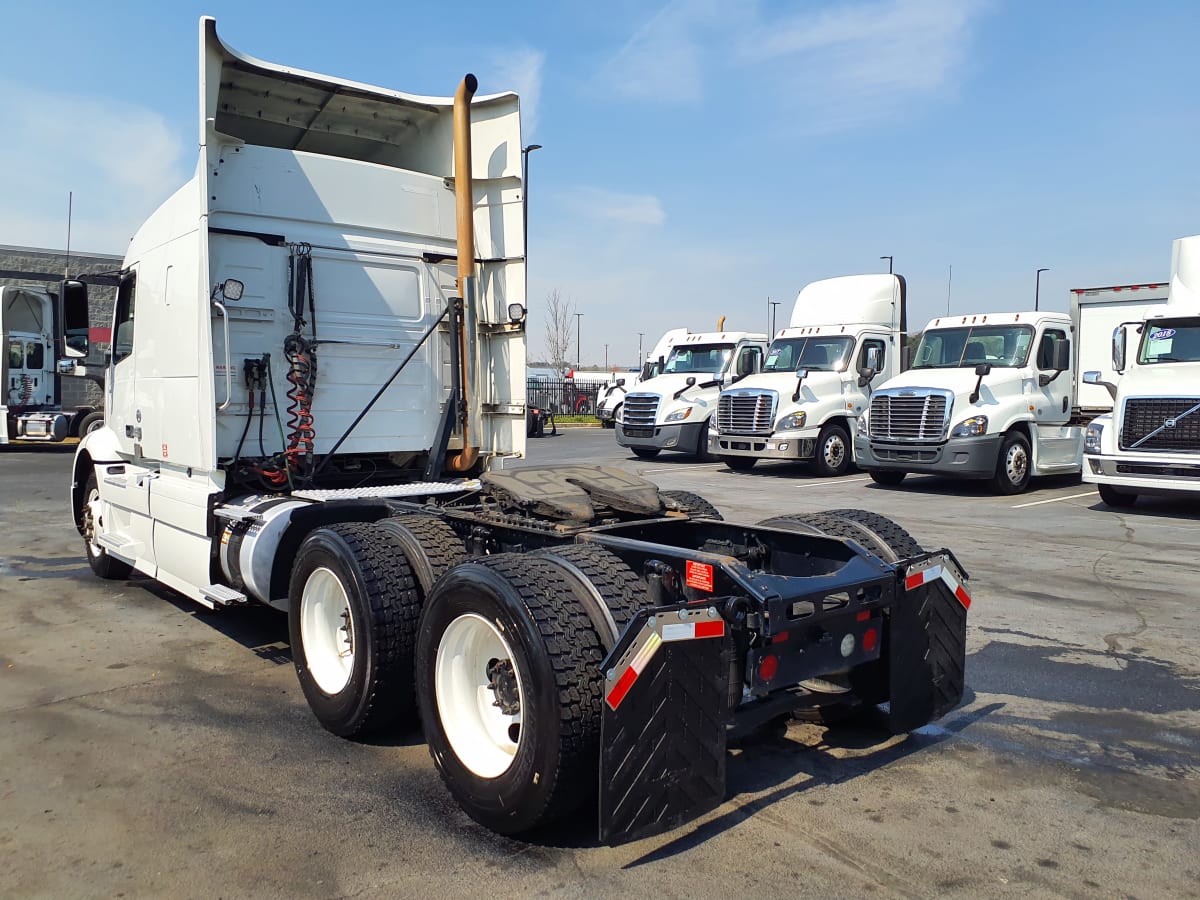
[672,411]
[987,397]
[817,378]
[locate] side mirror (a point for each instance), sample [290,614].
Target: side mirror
[1094,378]
[75,321]
[1060,356]
[691,379]
[801,373]
[865,374]
[983,369]
[231,289]
[745,365]
[620,382]
[980,371]
[1091,377]
[872,362]
[1118,349]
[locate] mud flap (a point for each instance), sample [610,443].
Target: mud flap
[927,641]
[662,759]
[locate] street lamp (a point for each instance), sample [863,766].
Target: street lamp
[773,304]
[578,349]
[641,334]
[889,259]
[606,357]
[1037,288]
[525,151]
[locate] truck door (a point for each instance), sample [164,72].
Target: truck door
[121,413]
[747,361]
[1053,401]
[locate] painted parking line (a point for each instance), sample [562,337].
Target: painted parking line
[1054,500]
[836,482]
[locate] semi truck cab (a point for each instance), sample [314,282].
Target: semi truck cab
[817,378]
[672,410]
[988,396]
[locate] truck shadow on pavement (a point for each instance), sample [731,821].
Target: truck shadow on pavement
[960,487]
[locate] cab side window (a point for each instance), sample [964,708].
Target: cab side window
[880,348]
[16,356]
[123,318]
[35,356]
[749,361]
[1045,357]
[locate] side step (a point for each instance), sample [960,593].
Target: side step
[126,548]
[219,595]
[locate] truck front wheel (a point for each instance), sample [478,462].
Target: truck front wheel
[509,685]
[645,452]
[1012,466]
[1112,497]
[98,558]
[353,612]
[739,463]
[833,451]
[887,477]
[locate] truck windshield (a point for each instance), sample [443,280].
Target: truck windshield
[709,358]
[1170,340]
[818,354]
[1002,346]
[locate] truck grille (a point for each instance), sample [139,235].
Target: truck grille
[639,411]
[1144,416]
[746,412]
[910,415]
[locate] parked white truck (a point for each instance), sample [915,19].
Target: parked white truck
[305,409]
[845,336]
[995,396]
[671,411]
[612,397]
[1150,442]
[34,364]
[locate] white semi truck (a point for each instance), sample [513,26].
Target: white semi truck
[304,409]
[612,397]
[1150,442]
[846,335]
[34,364]
[996,396]
[671,411]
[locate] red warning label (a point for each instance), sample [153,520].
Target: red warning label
[699,576]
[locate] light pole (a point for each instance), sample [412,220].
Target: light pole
[1037,288]
[525,151]
[949,282]
[606,357]
[773,303]
[578,349]
[641,334]
[889,259]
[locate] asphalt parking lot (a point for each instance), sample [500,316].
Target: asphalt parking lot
[149,747]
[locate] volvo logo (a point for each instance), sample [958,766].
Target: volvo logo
[1169,423]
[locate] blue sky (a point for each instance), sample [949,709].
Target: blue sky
[699,156]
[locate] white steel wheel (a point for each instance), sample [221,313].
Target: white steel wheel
[1016,463]
[477,684]
[327,630]
[91,523]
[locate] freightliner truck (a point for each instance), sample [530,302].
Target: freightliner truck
[671,411]
[39,351]
[846,335]
[612,397]
[315,394]
[1150,442]
[997,396]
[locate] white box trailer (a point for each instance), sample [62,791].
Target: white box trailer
[1096,314]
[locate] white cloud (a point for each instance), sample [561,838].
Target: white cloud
[521,71]
[120,160]
[630,209]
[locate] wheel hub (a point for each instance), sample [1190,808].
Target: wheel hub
[835,450]
[502,681]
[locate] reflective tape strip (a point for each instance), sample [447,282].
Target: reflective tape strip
[916,579]
[636,665]
[690,631]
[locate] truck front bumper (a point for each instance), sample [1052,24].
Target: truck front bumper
[786,445]
[973,457]
[1143,473]
[604,414]
[683,436]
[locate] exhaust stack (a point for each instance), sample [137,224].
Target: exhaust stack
[464,200]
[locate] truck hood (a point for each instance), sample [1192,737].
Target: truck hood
[1162,380]
[816,386]
[665,387]
[997,390]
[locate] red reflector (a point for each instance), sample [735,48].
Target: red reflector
[621,688]
[780,638]
[864,615]
[710,629]
[869,639]
[914,581]
[768,667]
[963,597]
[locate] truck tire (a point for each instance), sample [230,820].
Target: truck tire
[353,614]
[740,463]
[98,558]
[1012,465]
[90,423]
[510,627]
[645,452]
[887,477]
[898,542]
[833,454]
[601,572]
[701,452]
[1114,498]
[616,417]
[430,545]
[692,504]
[795,523]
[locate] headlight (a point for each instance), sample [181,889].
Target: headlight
[861,427]
[1091,440]
[679,415]
[972,427]
[792,422]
